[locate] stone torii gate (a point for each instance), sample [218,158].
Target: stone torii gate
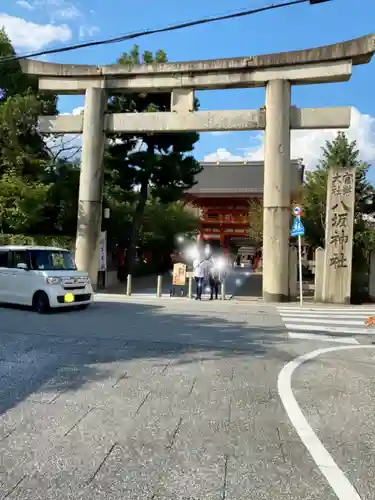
[276,72]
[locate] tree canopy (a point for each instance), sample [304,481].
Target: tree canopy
[23,153]
[150,163]
[342,153]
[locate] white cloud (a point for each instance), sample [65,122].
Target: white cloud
[307,144]
[88,31]
[58,9]
[32,36]
[222,155]
[77,111]
[68,12]
[25,5]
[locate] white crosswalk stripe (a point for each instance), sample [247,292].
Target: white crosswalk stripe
[327,324]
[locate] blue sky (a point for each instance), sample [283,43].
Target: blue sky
[58,22]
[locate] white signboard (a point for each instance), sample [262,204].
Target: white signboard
[103,251]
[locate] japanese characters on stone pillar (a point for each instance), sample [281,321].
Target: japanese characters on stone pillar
[337,274]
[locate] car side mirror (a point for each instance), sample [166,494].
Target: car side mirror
[22,265]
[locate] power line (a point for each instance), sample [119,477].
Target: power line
[174,27]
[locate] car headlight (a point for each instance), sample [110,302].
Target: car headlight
[53,280]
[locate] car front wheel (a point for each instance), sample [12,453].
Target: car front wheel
[41,303]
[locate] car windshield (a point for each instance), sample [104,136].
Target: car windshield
[52,260]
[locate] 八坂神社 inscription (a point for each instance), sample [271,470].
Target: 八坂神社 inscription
[339,235]
[339,238]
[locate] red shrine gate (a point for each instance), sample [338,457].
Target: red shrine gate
[221,198]
[222,219]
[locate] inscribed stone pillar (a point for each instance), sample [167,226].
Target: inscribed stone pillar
[339,235]
[319,273]
[277,187]
[91,184]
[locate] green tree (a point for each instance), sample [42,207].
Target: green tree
[22,149]
[21,204]
[343,153]
[157,164]
[162,224]
[38,190]
[256,221]
[59,212]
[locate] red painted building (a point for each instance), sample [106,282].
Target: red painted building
[221,199]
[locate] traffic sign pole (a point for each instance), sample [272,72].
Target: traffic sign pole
[300,270]
[298,230]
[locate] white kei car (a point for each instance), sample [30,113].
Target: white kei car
[42,277]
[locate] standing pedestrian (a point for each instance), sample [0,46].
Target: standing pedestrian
[214,279]
[120,264]
[199,274]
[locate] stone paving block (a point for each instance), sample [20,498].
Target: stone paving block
[138,462]
[64,379]
[41,429]
[31,418]
[264,481]
[9,481]
[64,468]
[197,460]
[194,434]
[100,392]
[25,376]
[49,468]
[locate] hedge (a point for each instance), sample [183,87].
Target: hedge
[38,240]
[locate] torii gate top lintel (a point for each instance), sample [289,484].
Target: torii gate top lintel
[358,51]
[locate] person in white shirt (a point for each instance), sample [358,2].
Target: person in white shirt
[199,275]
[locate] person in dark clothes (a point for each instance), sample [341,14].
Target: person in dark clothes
[214,280]
[120,264]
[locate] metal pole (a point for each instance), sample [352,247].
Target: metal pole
[159,285]
[129,285]
[300,270]
[223,289]
[190,289]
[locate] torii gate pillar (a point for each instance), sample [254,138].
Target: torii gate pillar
[91,182]
[277,188]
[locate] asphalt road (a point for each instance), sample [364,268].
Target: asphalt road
[177,399]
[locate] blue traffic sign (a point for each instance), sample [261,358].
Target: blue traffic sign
[298,228]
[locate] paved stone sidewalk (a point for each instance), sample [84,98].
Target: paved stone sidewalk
[148,284]
[150,400]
